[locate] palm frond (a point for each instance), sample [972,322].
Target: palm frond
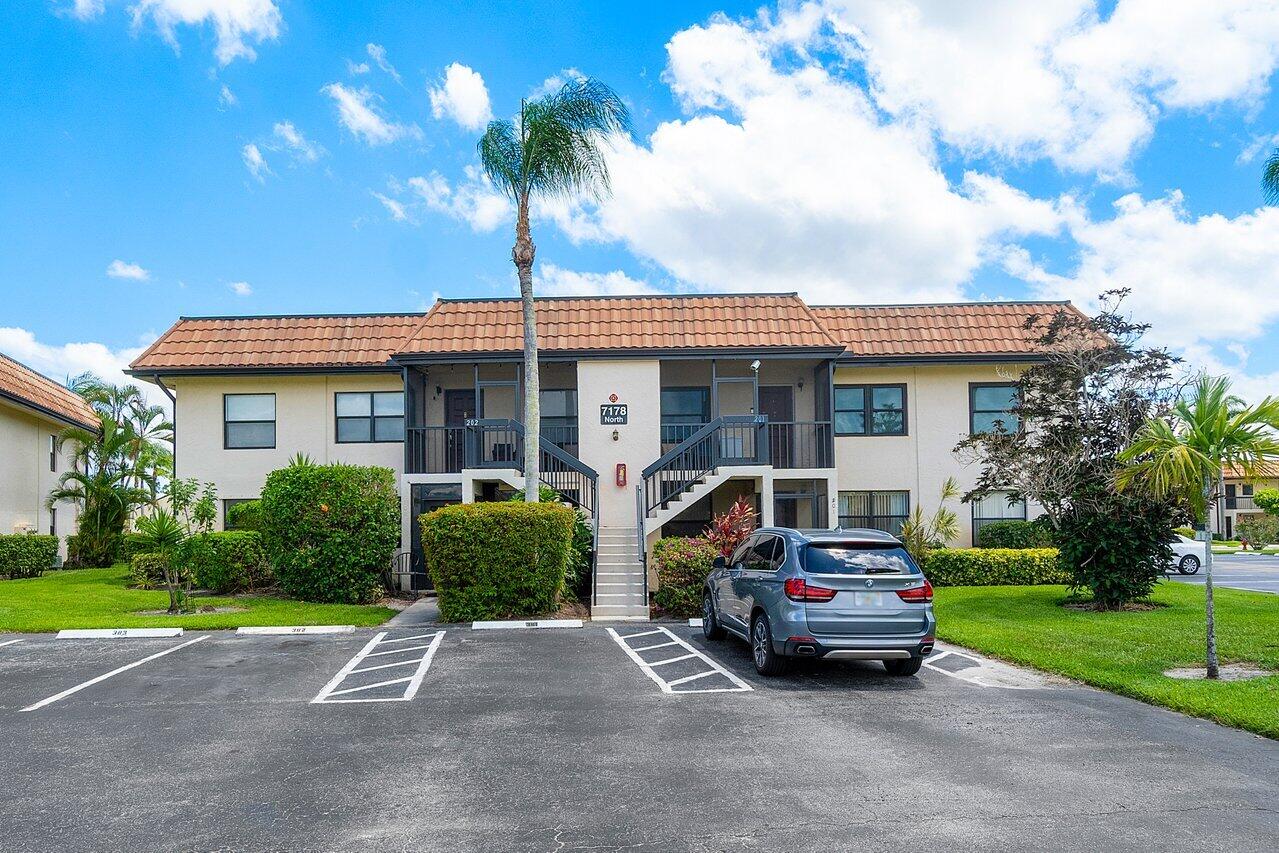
[1270,178]
[502,156]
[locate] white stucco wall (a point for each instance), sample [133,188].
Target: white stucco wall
[637,383]
[304,423]
[937,412]
[25,475]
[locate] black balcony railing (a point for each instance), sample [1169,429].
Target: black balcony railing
[800,444]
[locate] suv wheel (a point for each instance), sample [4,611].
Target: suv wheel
[767,660]
[711,629]
[909,666]
[1189,564]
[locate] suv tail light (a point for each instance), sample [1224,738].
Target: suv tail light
[797,589]
[917,595]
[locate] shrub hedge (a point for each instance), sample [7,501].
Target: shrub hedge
[330,530]
[682,566]
[97,552]
[231,561]
[246,515]
[131,544]
[995,567]
[26,555]
[497,560]
[146,571]
[1015,534]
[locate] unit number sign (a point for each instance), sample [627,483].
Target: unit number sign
[612,414]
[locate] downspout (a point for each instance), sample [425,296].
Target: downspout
[174,401]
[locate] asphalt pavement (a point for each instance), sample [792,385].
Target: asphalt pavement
[428,737]
[1259,572]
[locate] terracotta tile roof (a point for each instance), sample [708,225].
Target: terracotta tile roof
[266,342]
[970,328]
[622,323]
[1268,471]
[22,384]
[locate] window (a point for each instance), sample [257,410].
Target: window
[990,408]
[364,416]
[875,510]
[227,503]
[53,453]
[870,409]
[841,558]
[684,412]
[249,421]
[559,415]
[53,521]
[995,507]
[766,556]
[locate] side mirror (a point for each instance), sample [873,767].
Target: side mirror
[719,563]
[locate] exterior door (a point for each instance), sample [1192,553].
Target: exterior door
[777,403]
[459,404]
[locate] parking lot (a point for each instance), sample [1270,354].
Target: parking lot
[1256,572]
[600,738]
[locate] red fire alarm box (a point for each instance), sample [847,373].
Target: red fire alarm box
[621,473]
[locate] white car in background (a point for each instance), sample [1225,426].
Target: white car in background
[1188,554]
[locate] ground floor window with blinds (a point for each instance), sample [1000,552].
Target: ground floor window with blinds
[995,507]
[877,510]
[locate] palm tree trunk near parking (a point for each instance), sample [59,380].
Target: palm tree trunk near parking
[522,255]
[1208,609]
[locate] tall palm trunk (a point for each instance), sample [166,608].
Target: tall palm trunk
[522,255]
[1210,619]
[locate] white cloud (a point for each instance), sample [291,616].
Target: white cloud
[289,138]
[378,54]
[255,162]
[240,288]
[355,69]
[1196,279]
[85,10]
[121,269]
[1054,78]
[461,96]
[796,182]
[473,201]
[227,98]
[553,280]
[235,23]
[61,362]
[394,207]
[1258,145]
[359,114]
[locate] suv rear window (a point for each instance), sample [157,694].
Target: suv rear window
[849,558]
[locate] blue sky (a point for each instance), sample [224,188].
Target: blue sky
[168,158]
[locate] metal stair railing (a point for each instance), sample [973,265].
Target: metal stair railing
[727,440]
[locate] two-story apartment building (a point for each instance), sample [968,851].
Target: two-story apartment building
[34,409]
[1237,503]
[656,411]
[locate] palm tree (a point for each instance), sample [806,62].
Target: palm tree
[163,534]
[1270,178]
[553,149]
[1184,454]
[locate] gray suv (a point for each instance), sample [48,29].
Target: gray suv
[833,594]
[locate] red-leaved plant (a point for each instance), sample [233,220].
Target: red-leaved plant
[730,529]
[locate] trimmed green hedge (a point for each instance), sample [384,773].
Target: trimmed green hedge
[230,561]
[146,571]
[130,545]
[497,560]
[244,516]
[995,567]
[1015,534]
[330,530]
[97,552]
[27,555]
[682,566]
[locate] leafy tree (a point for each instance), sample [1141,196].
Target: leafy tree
[1078,410]
[1267,500]
[553,149]
[162,533]
[921,534]
[1259,531]
[1181,455]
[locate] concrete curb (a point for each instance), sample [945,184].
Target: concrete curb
[118,633]
[276,630]
[532,623]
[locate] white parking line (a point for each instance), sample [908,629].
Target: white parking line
[9,643]
[623,640]
[65,693]
[985,672]
[352,667]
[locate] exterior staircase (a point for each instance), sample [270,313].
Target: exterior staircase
[621,591]
[699,487]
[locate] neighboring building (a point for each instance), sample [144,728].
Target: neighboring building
[1237,504]
[656,410]
[34,409]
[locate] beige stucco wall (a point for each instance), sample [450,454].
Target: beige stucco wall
[937,419]
[636,382]
[25,477]
[304,423]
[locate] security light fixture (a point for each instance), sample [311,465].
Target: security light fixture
[755,365]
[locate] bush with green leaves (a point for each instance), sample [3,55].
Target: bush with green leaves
[996,567]
[1188,532]
[96,551]
[1259,530]
[1015,534]
[246,515]
[146,571]
[682,566]
[1267,500]
[231,561]
[497,560]
[330,530]
[130,544]
[577,577]
[1118,550]
[27,555]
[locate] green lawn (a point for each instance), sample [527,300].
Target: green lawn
[1128,652]
[98,598]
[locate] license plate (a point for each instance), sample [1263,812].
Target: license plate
[868,599]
